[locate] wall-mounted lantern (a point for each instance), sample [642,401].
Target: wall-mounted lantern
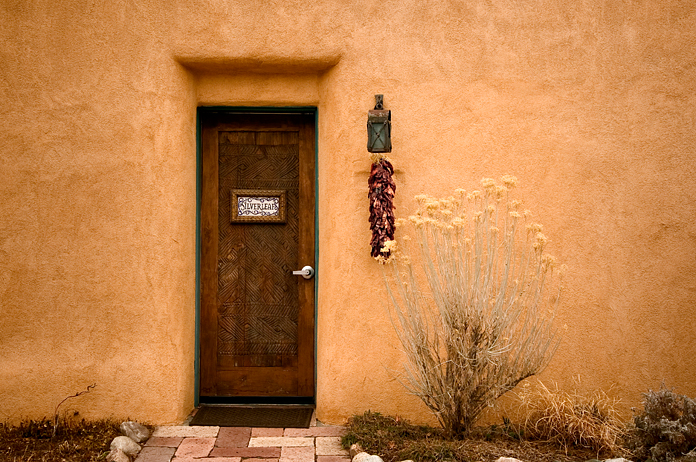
[379,127]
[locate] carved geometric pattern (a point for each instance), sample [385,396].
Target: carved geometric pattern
[257,293]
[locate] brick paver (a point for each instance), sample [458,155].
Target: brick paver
[244,444]
[169,442]
[256,432]
[155,454]
[233,437]
[297,454]
[333,459]
[207,459]
[187,432]
[258,453]
[330,446]
[280,442]
[315,431]
[195,447]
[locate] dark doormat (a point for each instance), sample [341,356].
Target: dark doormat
[254,416]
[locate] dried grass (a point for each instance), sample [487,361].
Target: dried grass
[571,419]
[73,441]
[394,439]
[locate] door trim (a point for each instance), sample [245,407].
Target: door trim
[200,113]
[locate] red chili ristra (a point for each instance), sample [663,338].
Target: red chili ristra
[381,194]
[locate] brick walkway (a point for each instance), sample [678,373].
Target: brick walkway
[236,444]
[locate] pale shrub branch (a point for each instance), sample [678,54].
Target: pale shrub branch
[469,303]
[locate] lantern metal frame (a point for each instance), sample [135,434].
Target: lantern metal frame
[379,127]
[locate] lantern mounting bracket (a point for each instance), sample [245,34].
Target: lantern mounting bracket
[379,102]
[379,127]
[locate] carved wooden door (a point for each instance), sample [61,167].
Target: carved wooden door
[257,318]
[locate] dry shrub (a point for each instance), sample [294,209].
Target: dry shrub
[666,428]
[571,418]
[473,300]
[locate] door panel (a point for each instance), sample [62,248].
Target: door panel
[257,318]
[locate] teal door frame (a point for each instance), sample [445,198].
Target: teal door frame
[204,110]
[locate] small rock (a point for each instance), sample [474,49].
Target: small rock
[126,445]
[508,459]
[365,457]
[355,450]
[116,455]
[135,431]
[407,460]
[373,459]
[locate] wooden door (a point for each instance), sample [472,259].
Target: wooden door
[257,318]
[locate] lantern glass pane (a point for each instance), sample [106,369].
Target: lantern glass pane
[378,137]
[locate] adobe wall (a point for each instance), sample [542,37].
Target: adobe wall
[590,105]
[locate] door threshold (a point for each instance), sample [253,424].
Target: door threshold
[259,400]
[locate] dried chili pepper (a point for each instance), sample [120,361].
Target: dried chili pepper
[381,195]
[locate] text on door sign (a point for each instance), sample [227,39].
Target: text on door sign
[257,206]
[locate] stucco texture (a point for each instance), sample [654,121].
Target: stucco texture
[590,104]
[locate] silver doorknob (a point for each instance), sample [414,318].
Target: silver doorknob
[307,272]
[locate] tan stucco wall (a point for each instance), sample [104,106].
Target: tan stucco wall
[590,105]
